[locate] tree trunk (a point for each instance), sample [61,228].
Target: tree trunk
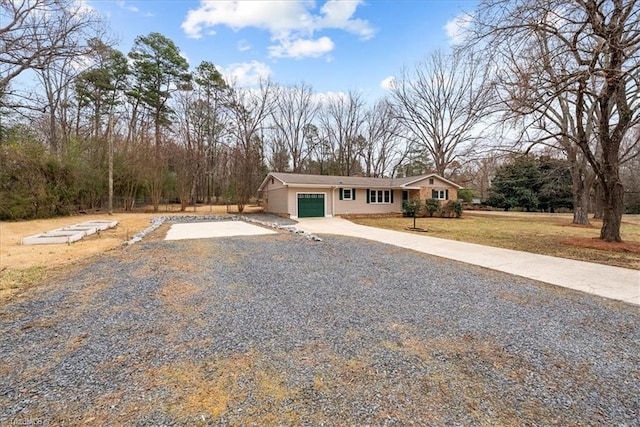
[580,187]
[580,200]
[613,209]
[110,177]
[156,189]
[157,175]
[598,202]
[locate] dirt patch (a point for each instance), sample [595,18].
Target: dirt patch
[596,243]
[579,225]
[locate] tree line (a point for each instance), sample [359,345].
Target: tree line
[555,78]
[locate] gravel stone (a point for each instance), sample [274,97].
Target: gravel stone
[266,220]
[284,330]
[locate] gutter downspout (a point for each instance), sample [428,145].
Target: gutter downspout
[333,201]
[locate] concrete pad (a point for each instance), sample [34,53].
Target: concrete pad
[53,237]
[101,225]
[60,232]
[86,230]
[205,230]
[69,234]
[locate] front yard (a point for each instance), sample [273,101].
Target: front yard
[282,330]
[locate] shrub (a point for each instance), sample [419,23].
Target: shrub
[633,209]
[411,207]
[432,206]
[466,195]
[451,209]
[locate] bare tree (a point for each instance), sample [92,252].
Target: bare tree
[210,117]
[630,175]
[595,66]
[57,77]
[279,157]
[342,119]
[442,103]
[249,109]
[294,109]
[524,82]
[34,33]
[384,144]
[477,174]
[321,160]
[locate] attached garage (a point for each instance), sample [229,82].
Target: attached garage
[310,205]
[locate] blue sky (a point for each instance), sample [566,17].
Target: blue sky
[334,46]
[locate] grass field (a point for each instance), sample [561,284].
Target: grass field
[548,234]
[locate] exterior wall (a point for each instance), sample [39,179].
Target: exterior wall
[292,198]
[276,201]
[283,200]
[426,188]
[453,193]
[425,192]
[275,198]
[360,205]
[279,199]
[416,194]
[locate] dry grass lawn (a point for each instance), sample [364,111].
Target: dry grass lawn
[547,234]
[23,266]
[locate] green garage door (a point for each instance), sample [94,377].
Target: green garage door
[310,205]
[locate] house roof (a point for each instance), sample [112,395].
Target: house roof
[306,180]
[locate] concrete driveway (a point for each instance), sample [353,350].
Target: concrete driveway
[610,282]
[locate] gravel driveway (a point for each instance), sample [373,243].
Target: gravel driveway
[284,330]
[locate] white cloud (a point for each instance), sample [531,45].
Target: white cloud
[277,17]
[125,6]
[291,23]
[246,73]
[388,83]
[338,13]
[243,45]
[83,7]
[456,28]
[301,48]
[323,98]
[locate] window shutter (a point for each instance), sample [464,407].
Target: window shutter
[340,193]
[368,196]
[353,194]
[434,194]
[446,194]
[391,191]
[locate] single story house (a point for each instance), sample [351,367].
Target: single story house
[300,195]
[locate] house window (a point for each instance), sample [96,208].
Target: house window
[380,196]
[430,181]
[347,193]
[440,194]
